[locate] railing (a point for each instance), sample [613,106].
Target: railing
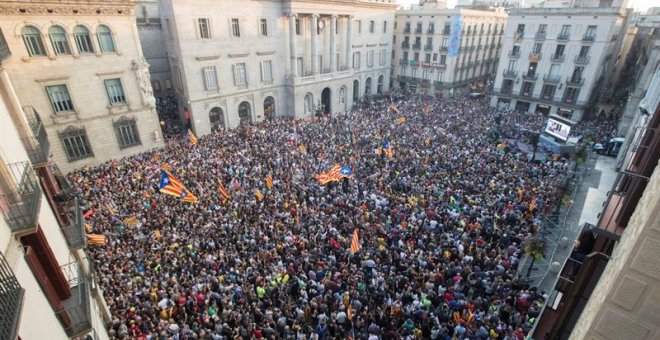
[506,90]
[539,36]
[479,47]
[557,58]
[403,62]
[418,30]
[428,47]
[581,60]
[563,36]
[417,46]
[11,301]
[74,233]
[575,81]
[406,29]
[444,48]
[37,145]
[552,79]
[405,44]
[20,204]
[588,38]
[446,32]
[530,76]
[75,313]
[510,73]
[430,31]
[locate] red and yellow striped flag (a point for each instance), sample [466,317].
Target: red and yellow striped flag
[223,192]
[349,312]
[191,137]
[355,242]
[269,181]
[393,108]
[96,239]
[165,167]
[258,195]
[131,220]
[302,149]
[401,120]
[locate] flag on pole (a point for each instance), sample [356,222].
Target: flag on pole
[258,195]
[96,239]
[191,137]
[187,196]
[170,185]
[355,242]
[223,192]
[269,181]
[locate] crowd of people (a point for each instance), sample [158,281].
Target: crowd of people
[442,224]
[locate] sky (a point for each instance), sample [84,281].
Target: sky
[641,5]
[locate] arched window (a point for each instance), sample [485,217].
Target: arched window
[367,87]
[33,42]
[106,43]
[309,103]
[83,40]
[59,40]
[245,113]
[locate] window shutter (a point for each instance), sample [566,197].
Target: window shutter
[48,262]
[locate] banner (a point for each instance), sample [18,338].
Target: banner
[455,38]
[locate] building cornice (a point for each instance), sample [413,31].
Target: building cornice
[73,8]
[205,58]
[266,53]
[238,55]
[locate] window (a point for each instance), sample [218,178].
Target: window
[297,26]
[356,60]
[372,25]
[543,28]
[571,95]
[427,58]
[33,42]
[59,98]
[402,71]
[383,57]
[263,27]
[59,41]
[591,31]
[584,51]
[405,56]
[204,29]
[548,92]
[527,88]
[393,39]
[240,75]
[512,65]
[435,57]
[426,74]
[156,85]
[115,91]
[299,64]
[83,40]
[443,59]
[106,42]
[559,51]
[440,77]
[127,133]
[210,78]
[358,24]
[235,28]
[416,57]
[565,31]
[537,48]
[554,71]
[384,26]
[76,144]
[267,72]
[370,58]
[445,42]
[577,74]
[168,84]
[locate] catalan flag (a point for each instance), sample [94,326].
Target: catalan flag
[165,167]
[387,149]
[532,204]
[393,108]
[269,181]
[355,242]
[346,172]
[191,137]
[401,120]
[331,175]
[258,195]
[223,192]
[302,149]
[170,185]
[96,239]
[187,196]
[349,312]
[132,220]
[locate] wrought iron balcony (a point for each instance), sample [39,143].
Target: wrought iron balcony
[20,201]
[539,36]
[446,32]
[428,47]
[75,312]
[557,58]
[551,79]
[74,233]
[430,30]
[564,36]
[507,90]
[418,30]
[574,81]
[406,29]
[581,60]
[444,48]
[510,73]
[514,54]
[530,76]
[588,38]
[36,145]
[405,44]
[11,301]
[417,46]
[403,62]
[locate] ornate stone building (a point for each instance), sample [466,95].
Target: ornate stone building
[236,62]
[77,67]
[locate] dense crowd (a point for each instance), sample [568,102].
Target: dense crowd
[441,225]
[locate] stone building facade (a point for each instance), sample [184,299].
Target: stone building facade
[241,62]
[78,67]
[152,39]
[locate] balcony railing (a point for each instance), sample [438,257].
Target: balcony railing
[539,36]
[430,30]
[20,203]
[514,54]
[417,46]
[444,48]
[557,58]
[74,233]
[552,79]
[574,81]
[530,76]
[588,38]
[510,73]
[564,36]
[507,90]
[405,44]
[406,29]
[11,301]
[37,145]
[428,47]
[581,60]
[418,30]
[446,32]
[75,313]
[403,62]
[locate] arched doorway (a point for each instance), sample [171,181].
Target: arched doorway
[325,101]
[217,119]
[269,108]
[356,90]
[367,87]
[342,98]
[244,113]
[309,104]
[379,87]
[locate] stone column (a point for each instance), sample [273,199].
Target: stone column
[315,38]
[292,44]
[349,42]
[333,51]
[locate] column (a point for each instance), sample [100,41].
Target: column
[333,52]
[315,38]
[349,42]
[292,44]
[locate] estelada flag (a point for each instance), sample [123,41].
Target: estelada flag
[223,192]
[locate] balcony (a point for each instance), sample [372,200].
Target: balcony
[403,62]
[417,46]
[539,36]
[564,36]
[405,44]
[11,302]
[507,90]
[37,145]
[406,29]
[444,48]
[75,312]
[551,79]
[430,30]
[534,57]
[428,47]
[557,58]
[418,30]
[74,233]
[588,38]
[530,76]
[446,32]
[581,60]
[20,203]
[514,54]
[510,73]
[574,81]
